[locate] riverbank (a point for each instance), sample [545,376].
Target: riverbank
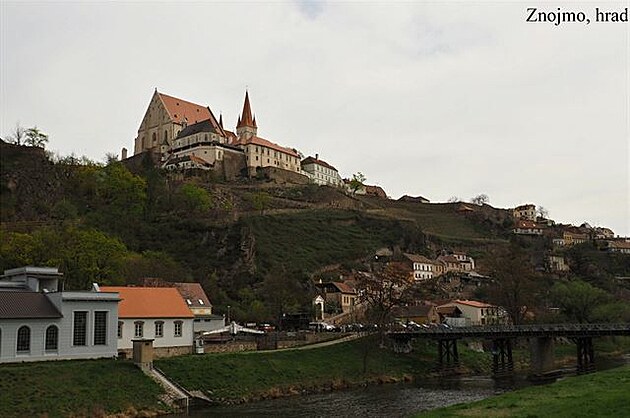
[594,395]
[251,376]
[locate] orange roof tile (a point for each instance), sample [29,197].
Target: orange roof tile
[473,303]
[150,302]
[246,116]
[179,109]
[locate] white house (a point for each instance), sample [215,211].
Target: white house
[320,172]
[37,322]
[476,313]
[157,313]
[423,268]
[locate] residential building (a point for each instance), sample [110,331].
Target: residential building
[320,172]
[38,322]
[574,238]
[376,191]
[527,227]
[450,263]
[466,262]
[422,267]
[557,263]
[525,212]
[477,313]
[157,313]
[619,246]
[420,314]
[603,233]
[340,294]
[414,199]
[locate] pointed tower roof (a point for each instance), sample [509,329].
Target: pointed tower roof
[246,116]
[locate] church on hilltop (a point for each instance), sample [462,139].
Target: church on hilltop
[184,135]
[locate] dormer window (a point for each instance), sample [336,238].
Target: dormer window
[188,301]
[200,302]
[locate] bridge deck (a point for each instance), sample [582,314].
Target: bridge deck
[514,331]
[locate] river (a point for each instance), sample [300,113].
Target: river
[390,400]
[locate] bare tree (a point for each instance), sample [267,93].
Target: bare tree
[453,199]
[480,199]
[18,134]
[542,212]
[513,286]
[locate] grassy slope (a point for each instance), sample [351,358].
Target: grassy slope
[600,394]
[237,375]
[77,387]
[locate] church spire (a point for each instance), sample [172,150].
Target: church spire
[246,115]
[246,127]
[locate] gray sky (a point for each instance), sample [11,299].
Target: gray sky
[439,99]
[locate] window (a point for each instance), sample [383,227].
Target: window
[24,339]
[165,134]
[159,329]
[200,302]
[138,329]
[178,328]
[188,301]
[154,137]
[79,335]
[120,329]
[100,328]
[52,338]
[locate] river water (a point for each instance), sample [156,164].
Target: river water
[390,400]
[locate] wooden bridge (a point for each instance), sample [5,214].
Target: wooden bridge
[541,343]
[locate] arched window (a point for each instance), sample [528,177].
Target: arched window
[24,339]
[154,137]
[52,338]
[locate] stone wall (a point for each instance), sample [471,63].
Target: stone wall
[159,352]
[281,176]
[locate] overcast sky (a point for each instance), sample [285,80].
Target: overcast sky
[439,99]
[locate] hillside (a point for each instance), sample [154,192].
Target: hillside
[253,244]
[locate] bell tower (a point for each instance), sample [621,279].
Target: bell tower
[246,127]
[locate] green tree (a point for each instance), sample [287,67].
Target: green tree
[357,182]
[260,201]
[194,198]
[578,300]
[35,138]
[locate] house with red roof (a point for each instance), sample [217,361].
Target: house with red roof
[339,293]
[156,313]
[475,312]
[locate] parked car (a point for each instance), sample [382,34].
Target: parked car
[321,326]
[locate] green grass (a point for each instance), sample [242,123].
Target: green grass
[235,376]
[75,387]
[600,394]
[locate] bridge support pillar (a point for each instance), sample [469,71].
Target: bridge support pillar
[585,355]
[502,362]
[542,355]
[448,356]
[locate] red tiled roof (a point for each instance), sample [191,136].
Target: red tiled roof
[473,303]
[523,223]
[193,292]
[256,140]
[150,302]
[343,288]
[179,109]
[619,244]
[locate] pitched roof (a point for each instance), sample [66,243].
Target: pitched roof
[179,109]
[256,140]
[150,302]
[473,303]
[411,311]
[203,126]
[619,244]
[343,288]
[448,259]
[418,258]
[194,293]
[311,160]
[523,223]
[23,305]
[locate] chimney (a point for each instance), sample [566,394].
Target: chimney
[317,156]
[123,154]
